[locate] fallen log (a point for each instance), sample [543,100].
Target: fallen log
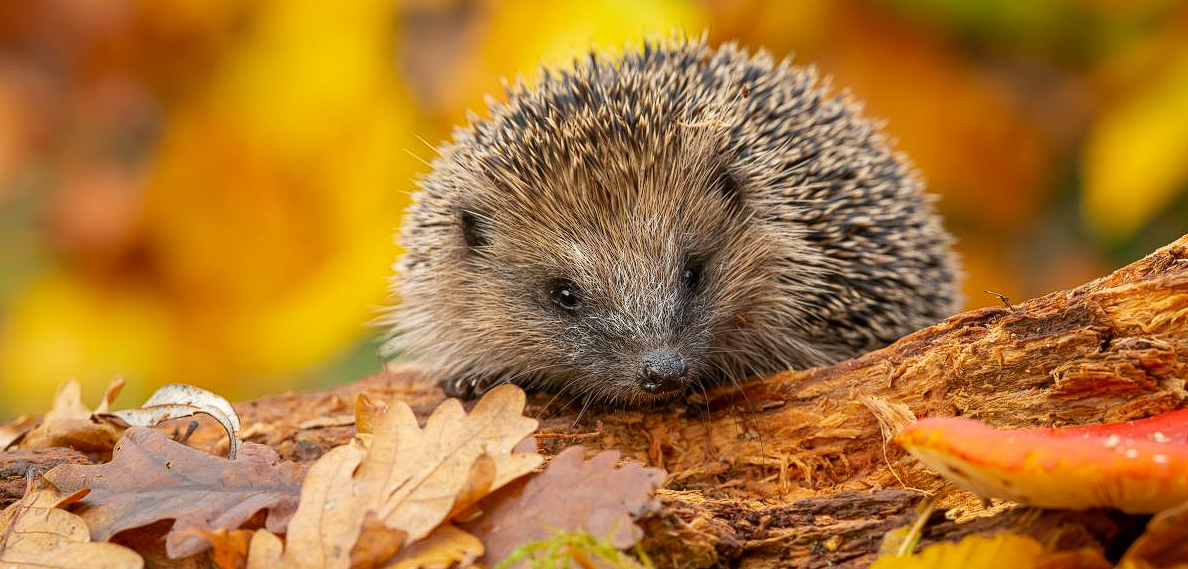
[795,469]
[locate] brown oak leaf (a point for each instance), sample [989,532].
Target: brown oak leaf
[420,474]
[412,479]
[152,477]
[571,494]
[35,533]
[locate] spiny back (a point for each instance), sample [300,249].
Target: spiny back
[675,216]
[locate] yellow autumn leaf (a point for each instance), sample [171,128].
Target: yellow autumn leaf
[998,552]
[1134,161]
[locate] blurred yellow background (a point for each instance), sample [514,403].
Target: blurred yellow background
[205,191]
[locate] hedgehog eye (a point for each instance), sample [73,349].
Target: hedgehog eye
[565,295]
[691,275]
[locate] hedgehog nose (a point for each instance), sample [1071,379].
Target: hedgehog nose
[661,371]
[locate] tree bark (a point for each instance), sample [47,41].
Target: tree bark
[795,469]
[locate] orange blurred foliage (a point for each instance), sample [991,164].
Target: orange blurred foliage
[205,190]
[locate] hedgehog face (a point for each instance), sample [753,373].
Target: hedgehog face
[628,298]
[624,266]
[613,275]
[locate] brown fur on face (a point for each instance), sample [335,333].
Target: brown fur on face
[807,239]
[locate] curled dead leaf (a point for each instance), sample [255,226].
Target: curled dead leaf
[176,400]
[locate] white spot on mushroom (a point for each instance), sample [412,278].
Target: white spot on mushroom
[1111,441]
[1160,459]
[1160,437]
[1131,453]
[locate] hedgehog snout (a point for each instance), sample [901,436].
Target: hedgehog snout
[662,371]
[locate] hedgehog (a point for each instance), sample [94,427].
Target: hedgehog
[637,226]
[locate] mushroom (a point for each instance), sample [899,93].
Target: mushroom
[1137,466]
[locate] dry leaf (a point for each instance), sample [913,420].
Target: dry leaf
[264,551]
[376,544]
[324,422]
[1164,544]
[69,423]
[446,547]
[36,534]
[1137,467]
[571,494]
[420,474]
[1003,551]
[152,477]
[176,400]
[328,519]
[15,430]
[412,479]
[230,547]
[367,412]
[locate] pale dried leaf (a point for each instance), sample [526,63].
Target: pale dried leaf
[1005,550]
[40,536]
[15,430]
[152,477]
[412,479]
[69,423]
[571,494]
[176,400]
[446,547]
[421,472]
[264,551]
[478,484]
[324,422]
[113,391]
[329,517]
[377,543]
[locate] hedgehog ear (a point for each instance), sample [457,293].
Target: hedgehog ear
[727,185]
[474,228]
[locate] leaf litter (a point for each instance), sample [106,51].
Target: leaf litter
[38,533]
[152,478]
[400,495]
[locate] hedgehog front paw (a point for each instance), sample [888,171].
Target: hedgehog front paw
[468,386]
